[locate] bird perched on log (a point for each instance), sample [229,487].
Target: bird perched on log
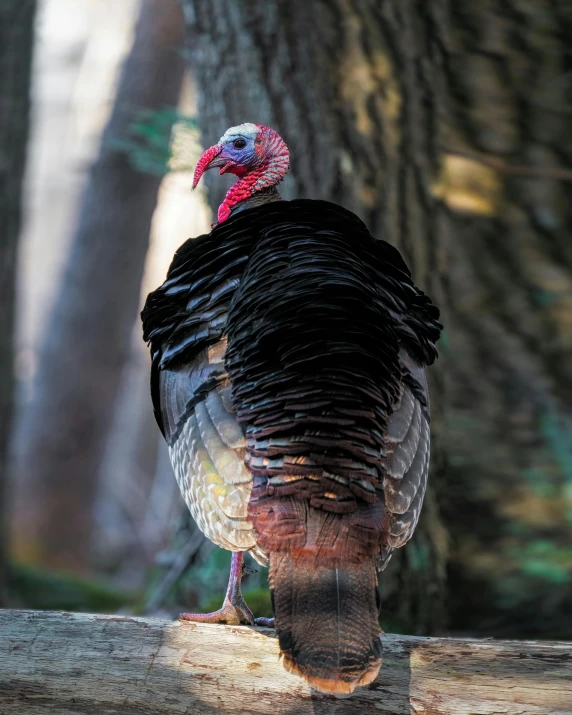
[289,348]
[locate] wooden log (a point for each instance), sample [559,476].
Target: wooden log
[73,664]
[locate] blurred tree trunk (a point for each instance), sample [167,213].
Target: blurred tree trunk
[124,546]
[88,338]
[506,74]
[445,127]
[16,45]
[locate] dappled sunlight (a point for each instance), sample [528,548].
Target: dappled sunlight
[288,348]
[468,186]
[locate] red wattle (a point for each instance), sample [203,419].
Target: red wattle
[243,189]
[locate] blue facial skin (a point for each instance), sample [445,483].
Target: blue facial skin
[242,156]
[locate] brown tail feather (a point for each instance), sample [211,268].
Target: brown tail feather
[326,621]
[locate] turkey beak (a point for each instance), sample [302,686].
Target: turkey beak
[208,160]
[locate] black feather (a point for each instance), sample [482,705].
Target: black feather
[326,335]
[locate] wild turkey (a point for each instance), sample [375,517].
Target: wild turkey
[288,349]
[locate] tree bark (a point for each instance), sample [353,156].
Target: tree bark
[16,44]
[78,664]
[445,126]
[348,85]
[88,335]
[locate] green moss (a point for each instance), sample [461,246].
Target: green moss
[546,570]
[34,587]
[148,140]
[258,600]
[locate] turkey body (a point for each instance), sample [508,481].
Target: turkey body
[288,349]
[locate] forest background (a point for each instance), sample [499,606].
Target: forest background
[444,125]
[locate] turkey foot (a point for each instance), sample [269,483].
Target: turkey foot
[265,622]
[234,611]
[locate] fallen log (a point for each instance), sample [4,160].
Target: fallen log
[74,664]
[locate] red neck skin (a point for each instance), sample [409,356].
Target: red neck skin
[272,169]
[243,189]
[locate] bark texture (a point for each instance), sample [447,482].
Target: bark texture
[79,664]
[16,44]
[347,84]
[88,336]
[445,127]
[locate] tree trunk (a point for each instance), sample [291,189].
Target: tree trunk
[507,167]
[445,127]
[88,336]
[348,86]
[16,44]
[77,664]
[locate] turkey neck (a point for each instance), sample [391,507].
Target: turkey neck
[264,196]
[256,186]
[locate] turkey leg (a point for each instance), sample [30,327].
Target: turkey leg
[234,610]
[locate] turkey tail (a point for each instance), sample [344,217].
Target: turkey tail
[327,622]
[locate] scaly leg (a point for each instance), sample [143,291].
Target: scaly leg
[234,610]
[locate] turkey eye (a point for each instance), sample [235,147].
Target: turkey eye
[239,143]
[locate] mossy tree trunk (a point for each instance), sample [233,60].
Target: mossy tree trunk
[445,126]
[16,44]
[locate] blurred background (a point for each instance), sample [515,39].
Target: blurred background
[445,126]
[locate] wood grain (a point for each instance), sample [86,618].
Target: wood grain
[73,664]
